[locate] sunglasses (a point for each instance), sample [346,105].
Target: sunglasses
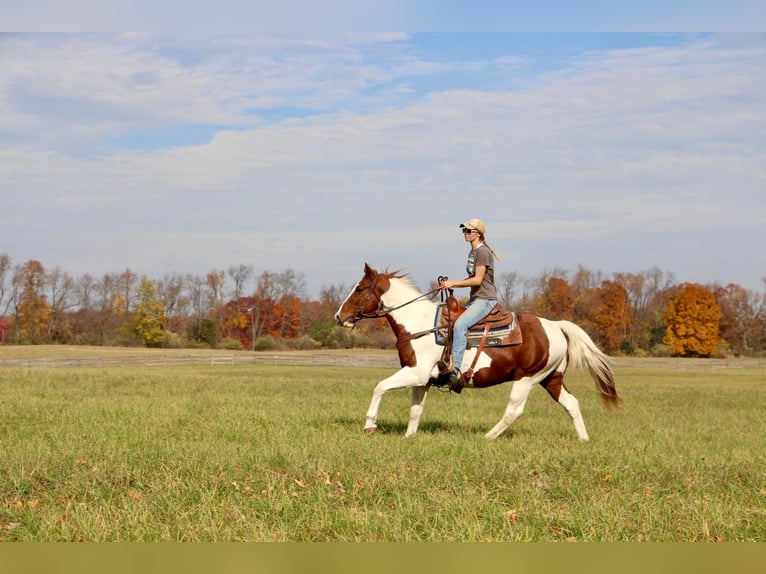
[467,231]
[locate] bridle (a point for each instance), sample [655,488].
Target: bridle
[382,310]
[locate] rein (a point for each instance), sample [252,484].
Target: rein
[383,311]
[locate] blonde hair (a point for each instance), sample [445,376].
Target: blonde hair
[492,250]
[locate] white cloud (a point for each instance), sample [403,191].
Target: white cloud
[624,160]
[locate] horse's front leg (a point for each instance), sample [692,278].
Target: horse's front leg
[416,409]
[405,377]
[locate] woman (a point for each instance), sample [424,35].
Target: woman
[481,279]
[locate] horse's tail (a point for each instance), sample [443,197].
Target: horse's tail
[583,352]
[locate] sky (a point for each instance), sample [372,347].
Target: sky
[188,151]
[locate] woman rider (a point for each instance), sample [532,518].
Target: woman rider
[480,278]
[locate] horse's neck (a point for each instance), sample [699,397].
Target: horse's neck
[416,312]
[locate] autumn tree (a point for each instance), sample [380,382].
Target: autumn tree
[216,284]
[262,309]
[170,291]
[742,314]
[61,287]
[585,286]
[33,310]
[610,315]
[648,292]
[237,323]
[126,286]
[111,314]
[290,314]
[200,328]
[239,274]
[291,288]
[330,298]
[148,320]
[556,299]
[692,320]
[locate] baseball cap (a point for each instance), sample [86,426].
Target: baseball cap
[476,224]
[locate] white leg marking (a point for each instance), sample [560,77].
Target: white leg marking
[416,410]
[572,406]
[519,394]
[405,377]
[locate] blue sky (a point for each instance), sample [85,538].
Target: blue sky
[256,16]
[186,151]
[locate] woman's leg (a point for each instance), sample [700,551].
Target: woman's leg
[475,311]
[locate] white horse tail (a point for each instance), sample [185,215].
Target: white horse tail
[583,352]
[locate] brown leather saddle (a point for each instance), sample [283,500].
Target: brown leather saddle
[498,329]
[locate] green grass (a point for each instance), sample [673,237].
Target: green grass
[260,453]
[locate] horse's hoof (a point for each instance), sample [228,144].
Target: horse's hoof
[369,430]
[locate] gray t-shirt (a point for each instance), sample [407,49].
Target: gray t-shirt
[482,256]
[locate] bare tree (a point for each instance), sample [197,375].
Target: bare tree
[5,268]
[61,287]
[266,291]
[126,284]
[216,293]
[290,285]
[508,284]
[240,275]
[333,295]
[647,293]
[108,306]
[170,292]
[85,289]
[200,304]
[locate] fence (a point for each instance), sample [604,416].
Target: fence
[330,358]
[235,358]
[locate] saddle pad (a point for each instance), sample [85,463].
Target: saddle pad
[498,337]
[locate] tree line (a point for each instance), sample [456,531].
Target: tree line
[644,313]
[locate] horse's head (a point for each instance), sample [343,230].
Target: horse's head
[364,301]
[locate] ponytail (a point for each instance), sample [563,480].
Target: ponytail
[484,241]
[493,251]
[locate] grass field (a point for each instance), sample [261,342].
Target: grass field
[265,453]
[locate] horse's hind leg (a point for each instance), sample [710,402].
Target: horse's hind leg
[519,394]
[554,384]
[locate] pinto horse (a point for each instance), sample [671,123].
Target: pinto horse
[547,350]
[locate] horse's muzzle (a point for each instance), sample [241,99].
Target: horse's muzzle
[347,322]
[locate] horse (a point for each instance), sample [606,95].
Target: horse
[548,349]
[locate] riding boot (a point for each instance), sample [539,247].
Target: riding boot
[457,381]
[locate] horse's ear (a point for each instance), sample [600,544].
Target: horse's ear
[369,270]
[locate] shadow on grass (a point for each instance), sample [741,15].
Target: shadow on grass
[425,427]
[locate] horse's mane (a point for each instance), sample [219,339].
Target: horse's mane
[404,278]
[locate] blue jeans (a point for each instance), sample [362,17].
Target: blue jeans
[476,310]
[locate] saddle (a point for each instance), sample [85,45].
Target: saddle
[498,329]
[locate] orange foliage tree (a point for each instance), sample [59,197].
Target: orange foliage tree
[288,317]
[610,318]
[741,317]
[556,300]
[33,310]
[692,320]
